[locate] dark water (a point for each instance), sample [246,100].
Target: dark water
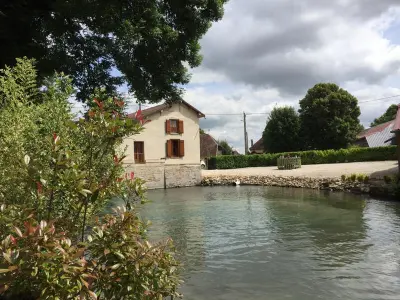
[279,243]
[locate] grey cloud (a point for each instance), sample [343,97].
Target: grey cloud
[255,42]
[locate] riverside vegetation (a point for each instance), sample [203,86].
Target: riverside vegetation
[307,157]
[57,172]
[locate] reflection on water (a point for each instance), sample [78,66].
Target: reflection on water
[280,243]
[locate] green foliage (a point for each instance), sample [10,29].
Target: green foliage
[353,177]
[361,177]
[116,261]
[18,84]
[387,179]
[307,157]
[226,149]
[389,115]
[281,134]
[147,41]
[64,170]
[329,117]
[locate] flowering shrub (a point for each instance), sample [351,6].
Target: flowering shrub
[116,262]
[57,172]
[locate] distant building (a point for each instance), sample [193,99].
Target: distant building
[209,147]
[377,136]
[396,132]
[258,147]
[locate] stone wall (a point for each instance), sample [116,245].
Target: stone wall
[375,187]
[182,175]
[159,175]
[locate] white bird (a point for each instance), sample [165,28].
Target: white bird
[237,182]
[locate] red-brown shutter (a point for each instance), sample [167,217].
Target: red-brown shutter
[169,148]
[181,148]
[167,126]
[180,126]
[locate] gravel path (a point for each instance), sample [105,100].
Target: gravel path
[372,169]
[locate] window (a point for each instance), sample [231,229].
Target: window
[174,126]
[175,148]
[138,152]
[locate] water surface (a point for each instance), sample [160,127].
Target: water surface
[280,243]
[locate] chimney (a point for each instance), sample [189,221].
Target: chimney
[252,143]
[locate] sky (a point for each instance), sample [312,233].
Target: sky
[267,53]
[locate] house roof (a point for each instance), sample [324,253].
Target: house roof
[149,111]
[396,126]
[208,145]
[380,135]
[259,145]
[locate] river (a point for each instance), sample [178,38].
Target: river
[280,243]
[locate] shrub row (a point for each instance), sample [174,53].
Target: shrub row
[307,157]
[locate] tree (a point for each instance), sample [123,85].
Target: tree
[148,41]
[226,149]
[389,115]
[329,117]
[202,131]
[282,130]
[56,175]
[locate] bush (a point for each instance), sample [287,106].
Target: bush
[40,261]
[57,173]
[307,157]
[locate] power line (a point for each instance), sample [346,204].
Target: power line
[379,99]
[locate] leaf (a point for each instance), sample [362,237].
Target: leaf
[106,251]
[18,231]
[27,159]
[12,268]
[43,224]
[93,294]
[116,266]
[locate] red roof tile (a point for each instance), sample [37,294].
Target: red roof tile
[208,146]
[396,126]
[375,129]
[149,111]
[259,145]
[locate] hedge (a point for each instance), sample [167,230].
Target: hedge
[307,157]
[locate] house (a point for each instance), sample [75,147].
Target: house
[396,132]
[377,136]
[167,153]
[209,147]
[258,147]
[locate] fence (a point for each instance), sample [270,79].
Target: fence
[288,163]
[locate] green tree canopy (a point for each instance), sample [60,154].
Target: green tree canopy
[282,130]
[148,41]
[329,117]
[226,149]
[389,115]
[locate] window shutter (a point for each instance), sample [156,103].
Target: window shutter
[169,148]
[180,126]
[167,127]
[181,148]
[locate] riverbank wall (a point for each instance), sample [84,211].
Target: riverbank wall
[374,186]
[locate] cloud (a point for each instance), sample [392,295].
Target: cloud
[267,53]
[290,45]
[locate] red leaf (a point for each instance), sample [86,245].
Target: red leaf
[13,240]
[39,187]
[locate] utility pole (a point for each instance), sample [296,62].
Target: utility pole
[246,146]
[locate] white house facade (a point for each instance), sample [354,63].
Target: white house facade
[167,153]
